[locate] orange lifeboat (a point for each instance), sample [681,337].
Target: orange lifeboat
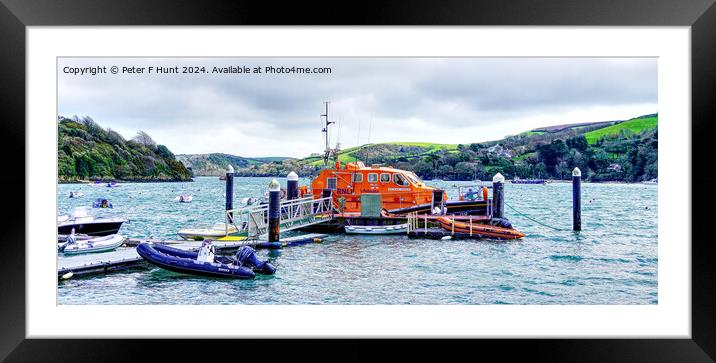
[398,188]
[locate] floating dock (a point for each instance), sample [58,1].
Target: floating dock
[439,233]
[125,258]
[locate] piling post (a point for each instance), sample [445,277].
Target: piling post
[274,211]
[230,194]
[576,199]
[292,186]
[498,196]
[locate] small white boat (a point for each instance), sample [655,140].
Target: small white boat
[387,229]
[184,198]
[216,231]
[97,244]
[84,223]
[76,194]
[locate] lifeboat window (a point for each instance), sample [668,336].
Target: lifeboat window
[331,183]
[385,178]
[400,180]
[372,178]
[414,178]
[357,178]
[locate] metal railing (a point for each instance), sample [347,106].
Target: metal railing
[294,214]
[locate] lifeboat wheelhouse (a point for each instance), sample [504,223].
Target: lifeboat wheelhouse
[398,188]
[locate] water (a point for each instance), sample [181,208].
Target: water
[612,261]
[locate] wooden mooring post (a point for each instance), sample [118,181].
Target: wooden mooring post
[274,211]
[576,199]
[498,196]
[230,194]
[292,186]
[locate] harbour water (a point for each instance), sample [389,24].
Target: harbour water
[612,261]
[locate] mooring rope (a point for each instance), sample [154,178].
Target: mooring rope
[532,219]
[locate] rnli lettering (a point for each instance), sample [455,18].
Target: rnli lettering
[344,191]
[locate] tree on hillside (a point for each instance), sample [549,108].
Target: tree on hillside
[551,154]
[143,138]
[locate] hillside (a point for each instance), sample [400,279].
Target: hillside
[86,151]
[395,150]
[610,150]
[216,164]
[636,125]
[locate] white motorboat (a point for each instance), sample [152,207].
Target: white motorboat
[84,223]
[97,244]
[184,198]
[76,194]
[386,229]
[216,231]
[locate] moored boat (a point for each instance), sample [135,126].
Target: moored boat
[528,181]
[216,231]
[205,263]
[102,203]
[482,230]
[385,229]
[87,224]
[184,198]
[91,245]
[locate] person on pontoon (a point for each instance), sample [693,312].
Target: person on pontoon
[470,195]
[206,252]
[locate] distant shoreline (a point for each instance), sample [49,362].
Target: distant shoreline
[93,182]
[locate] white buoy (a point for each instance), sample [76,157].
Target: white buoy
[68,275]
[445,238]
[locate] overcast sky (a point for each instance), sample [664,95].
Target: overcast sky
[442,100]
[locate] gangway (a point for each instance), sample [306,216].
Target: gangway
[295,214]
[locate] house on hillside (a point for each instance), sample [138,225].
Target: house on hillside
[499,150]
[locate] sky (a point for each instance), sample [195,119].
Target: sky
[372,100]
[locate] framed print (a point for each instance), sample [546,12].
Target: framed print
[485,171]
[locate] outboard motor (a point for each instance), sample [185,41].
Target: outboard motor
[206,252]
[246,256]
[69,241]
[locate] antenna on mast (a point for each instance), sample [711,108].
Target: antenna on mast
[325,129]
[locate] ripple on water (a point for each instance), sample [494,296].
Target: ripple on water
[612,261]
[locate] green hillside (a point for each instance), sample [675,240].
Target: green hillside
[635,126]
[86,151]
[395,150]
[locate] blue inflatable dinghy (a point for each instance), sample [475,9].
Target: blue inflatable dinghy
[244,266]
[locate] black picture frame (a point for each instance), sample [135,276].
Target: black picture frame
[16,15]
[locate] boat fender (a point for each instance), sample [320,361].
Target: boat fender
[484,193]
[445,238]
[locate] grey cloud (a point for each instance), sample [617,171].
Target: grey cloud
[451,92]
